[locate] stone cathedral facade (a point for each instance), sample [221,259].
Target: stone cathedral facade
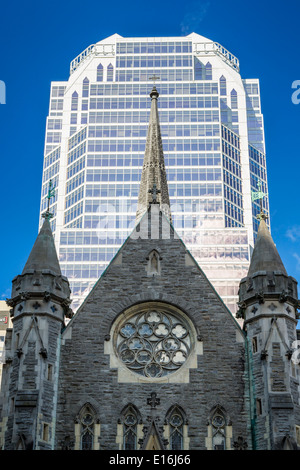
[153,359]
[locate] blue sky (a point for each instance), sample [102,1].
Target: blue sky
[39,39]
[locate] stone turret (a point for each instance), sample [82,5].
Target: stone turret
[153,186]
[41,280]
[267,278]
[268,303]
[39,304]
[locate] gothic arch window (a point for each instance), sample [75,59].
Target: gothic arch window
[87,430]
[223,88]
[85,87]
[87,420]
[100,73]
[110,73]
[175,419]
[198,70]
[74,103]
[234,99]
[130,418]
[219,430]
[218,425]
[208,71]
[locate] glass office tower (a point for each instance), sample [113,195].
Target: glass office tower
[213,138]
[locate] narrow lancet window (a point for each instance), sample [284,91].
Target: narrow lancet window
[234,99]
[175,420]
[130,421]
[110,73]
[100,73]
[223,88]
[87,422]
[85,87]
[208,71]
[198,70]
[74,103]
[218,429]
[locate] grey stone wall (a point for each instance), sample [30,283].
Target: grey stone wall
[28,394]
[272,322]
[85,371]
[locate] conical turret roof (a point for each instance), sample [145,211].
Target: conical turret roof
[265,256]
[43,255]
[153,186]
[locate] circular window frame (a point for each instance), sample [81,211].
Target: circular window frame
[181,373]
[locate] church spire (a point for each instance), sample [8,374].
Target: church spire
[154,186]
[43,255]
[265,256]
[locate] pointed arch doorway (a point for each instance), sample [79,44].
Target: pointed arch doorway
[153,439]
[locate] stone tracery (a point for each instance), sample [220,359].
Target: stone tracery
[154,343]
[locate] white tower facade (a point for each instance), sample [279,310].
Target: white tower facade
[213,143]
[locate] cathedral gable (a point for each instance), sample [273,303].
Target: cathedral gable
[154,265]
[152,321]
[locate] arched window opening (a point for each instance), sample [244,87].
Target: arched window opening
[87,440]
[100,73]
[74,103]
[110,73]
[176,434]
[223,87]
[218,424]
[85,87]
[87,421]
[208,71]
[198,70]
[130,421]
[234,99]
[175,419]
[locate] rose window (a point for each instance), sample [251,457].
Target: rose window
[154,343]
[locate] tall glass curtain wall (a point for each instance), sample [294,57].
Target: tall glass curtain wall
[94,150]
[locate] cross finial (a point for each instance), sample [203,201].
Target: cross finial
[154,93]
[51,193]
[154,191]
[154,77]
[262,215]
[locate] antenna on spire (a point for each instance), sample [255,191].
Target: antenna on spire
[51,193]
